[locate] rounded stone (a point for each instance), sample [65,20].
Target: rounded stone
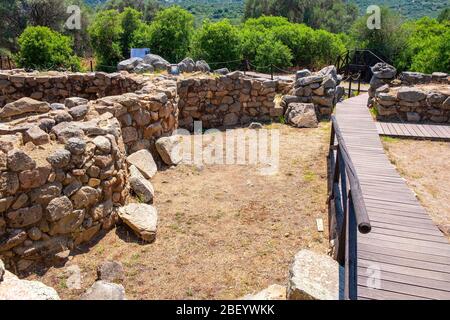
[76,146]
[34,234]
[103,144]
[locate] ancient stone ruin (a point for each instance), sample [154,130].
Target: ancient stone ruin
[414,97]
[78,151]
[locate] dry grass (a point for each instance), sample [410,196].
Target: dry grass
[224,231]
[426,167]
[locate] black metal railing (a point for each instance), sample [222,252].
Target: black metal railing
[359,61]
[6,63]
[347,213]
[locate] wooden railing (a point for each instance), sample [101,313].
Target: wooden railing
[347,213]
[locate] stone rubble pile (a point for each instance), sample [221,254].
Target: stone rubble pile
[312,98]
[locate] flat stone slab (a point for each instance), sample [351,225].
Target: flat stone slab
[142,219]
[143,160]
[313,276]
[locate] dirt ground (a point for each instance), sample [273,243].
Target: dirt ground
[224,230]
[426,167]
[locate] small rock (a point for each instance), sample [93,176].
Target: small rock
[142,219]
[74,102]
[313,276]
[102,290]
[2,270]
[34,234]
[20,161]
[60,158]
[169,148]
[79,112]
[143,160]
[36,135]
[76,146]
[103,144]
[274,292]
[222,71]
[255,125]
[59,208]
[110,271]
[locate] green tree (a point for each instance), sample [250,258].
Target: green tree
[444,15]
[217,42]
[389,40]
[106,36]
[131,22]
[171,33]
[148,8]
[272,53]
[42,48]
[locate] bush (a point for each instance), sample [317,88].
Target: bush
[171,33]
[217,42]
[106,36]
[42,48]
[272,52]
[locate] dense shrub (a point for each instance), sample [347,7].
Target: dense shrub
[42,48]
[171,33]
[217,42]
[272,55]
[106,35]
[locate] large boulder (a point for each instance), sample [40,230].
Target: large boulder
[141,186]
[202,66]
[222,71]
[142,219]
[110,271]
[301,115]
[157,62]
[143,160]
[187,65]
[313,276]
[384,71]
[12,288]
[102,290]
[129,64]
[169,148]
[23,106]
[411,94]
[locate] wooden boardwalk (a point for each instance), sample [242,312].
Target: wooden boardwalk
[429,131]
[405,251]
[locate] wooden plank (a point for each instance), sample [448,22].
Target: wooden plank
[413,254]
[392,276]
[376,248]
[409,289]
[400,261]
[375,294]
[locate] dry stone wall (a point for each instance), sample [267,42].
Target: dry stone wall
[229,100]
[63,167]
[56,87]
[414,97]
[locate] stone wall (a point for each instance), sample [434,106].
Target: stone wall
[414,97]
[63,167]
[229,100]
[420,103]
[56,86]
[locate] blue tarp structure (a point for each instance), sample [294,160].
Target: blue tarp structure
[139,53]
